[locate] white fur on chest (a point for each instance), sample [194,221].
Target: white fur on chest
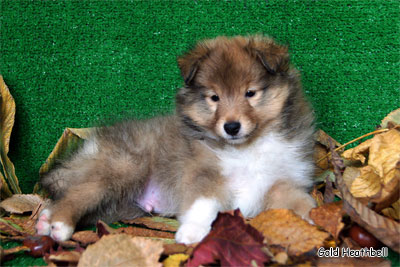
[250,172]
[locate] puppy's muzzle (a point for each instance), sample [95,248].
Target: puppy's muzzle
[232,128]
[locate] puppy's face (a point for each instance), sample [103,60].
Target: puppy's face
[234,87]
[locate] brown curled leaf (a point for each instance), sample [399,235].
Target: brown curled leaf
[317,196]
[21,203]
[85,237]
[329,217]
[389,194]
[137,231]
[175,248]
[283,227]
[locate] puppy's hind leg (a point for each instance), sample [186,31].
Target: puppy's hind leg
[60,219]
[102,182]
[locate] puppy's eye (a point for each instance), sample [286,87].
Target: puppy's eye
[215,98]
[250,93]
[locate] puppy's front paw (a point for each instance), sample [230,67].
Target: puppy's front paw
[189,233]
[61,231]
[43,223]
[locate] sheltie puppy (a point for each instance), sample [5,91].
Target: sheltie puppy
[241,137]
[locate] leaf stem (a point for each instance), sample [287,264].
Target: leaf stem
[354,140]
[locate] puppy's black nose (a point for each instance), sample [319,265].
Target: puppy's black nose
[232,127]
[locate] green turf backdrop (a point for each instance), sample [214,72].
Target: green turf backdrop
[72,63]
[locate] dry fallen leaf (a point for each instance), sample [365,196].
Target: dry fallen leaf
[379,179]
[8,227]
[7,118]
[26,223]
[122,250]
[350,174]
[63,258]
[175,248]
[85,237]
[105,229]
[329,217]
[137,231]
[321,151]
[281,257]
[368,184]
[285,228]
[393,211]
[232,242]
[10,251]
[20,203]
[384,153]
[68,142]
[389,194]
[156,222]
[317,196]
[358,153]
[385,229]
[329,193]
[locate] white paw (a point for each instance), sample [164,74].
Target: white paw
[61,231]
[43,223]
[189,233]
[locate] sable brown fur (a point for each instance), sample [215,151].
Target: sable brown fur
[182,162]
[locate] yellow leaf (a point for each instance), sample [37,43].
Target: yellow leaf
[7,117]
[384,152]
[7,111]
[367,184]
[357,153]
[175,260]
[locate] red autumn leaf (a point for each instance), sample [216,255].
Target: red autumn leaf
[231,241]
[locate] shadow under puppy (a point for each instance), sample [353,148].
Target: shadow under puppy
[241,137]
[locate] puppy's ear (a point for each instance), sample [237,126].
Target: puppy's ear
[190,62]
[274,57]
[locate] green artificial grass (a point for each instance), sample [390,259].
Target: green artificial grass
[74,63]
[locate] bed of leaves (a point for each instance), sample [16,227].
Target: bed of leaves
[356,191]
